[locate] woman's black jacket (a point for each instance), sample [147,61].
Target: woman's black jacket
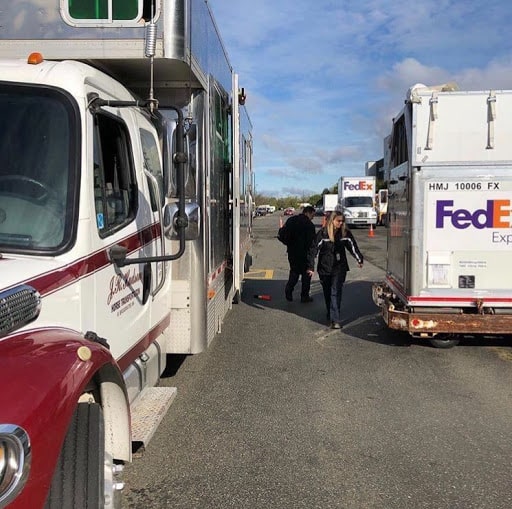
[332,257]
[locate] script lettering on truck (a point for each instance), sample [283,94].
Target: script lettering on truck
[362,185]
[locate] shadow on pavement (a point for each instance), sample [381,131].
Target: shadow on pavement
[360,317]
[357,305]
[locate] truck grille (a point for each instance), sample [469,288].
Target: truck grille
[18,306]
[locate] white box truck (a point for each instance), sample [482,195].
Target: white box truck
[356,200]
[381,204]
[330,203]
[449,240]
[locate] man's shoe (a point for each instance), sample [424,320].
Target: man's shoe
[335,325]
[307,298]
[289,297]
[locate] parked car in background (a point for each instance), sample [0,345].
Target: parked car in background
[289,211]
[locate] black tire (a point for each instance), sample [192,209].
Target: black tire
[447,342]
[247,262]
[79,477]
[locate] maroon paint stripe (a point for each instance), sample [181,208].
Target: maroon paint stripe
[460,299]
[143,343]
[55,280]
[414,299]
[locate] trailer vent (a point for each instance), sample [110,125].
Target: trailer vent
[18,306]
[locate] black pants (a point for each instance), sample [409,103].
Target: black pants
[293,278]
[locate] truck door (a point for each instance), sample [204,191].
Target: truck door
[221,186]
[152,164]
[123,216]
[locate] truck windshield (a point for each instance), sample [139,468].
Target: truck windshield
[358,201]
[38,167]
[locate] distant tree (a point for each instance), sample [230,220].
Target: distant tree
[293,201]
[382,184]
[315,198]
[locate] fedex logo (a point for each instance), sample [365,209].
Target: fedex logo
[362,185]
[496,214]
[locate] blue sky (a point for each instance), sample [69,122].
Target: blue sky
[324,78]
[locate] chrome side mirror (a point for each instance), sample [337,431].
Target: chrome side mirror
[193,214]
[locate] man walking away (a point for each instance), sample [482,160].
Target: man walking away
[300,233]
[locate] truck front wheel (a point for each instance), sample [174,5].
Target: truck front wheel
[79,478]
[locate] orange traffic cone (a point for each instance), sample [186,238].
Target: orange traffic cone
[371,233]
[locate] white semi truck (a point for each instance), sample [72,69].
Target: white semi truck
[449,240]
[356,200]
[125,230]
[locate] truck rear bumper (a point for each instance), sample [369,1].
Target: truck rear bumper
[429,322]
[446,323]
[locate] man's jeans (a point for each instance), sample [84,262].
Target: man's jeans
[293,278]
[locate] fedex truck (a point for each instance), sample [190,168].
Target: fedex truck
[356,200]
[449,240]
[125,230]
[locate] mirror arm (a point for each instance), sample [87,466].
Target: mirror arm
[117,254]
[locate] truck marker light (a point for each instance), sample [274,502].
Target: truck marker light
[84,353]
[493,216]
[423,324]
[35,58]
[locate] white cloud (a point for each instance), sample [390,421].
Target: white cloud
[324,78]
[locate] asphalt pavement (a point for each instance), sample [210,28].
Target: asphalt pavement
[283,412]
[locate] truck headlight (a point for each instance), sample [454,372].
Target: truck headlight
[15,456]
[347,213]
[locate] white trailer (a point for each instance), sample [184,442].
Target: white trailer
[125,230]
[356,200]
[381,204]
[449,211]
[330,202]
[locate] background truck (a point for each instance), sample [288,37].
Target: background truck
[381,205]
[125,230]
[330,203]
[356,200]
[450,226]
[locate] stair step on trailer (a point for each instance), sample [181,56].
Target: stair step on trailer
[148,411]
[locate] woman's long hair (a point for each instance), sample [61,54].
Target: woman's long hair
[330,225]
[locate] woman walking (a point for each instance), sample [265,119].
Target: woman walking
[332,242]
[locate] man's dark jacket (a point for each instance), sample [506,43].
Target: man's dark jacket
[301,245]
